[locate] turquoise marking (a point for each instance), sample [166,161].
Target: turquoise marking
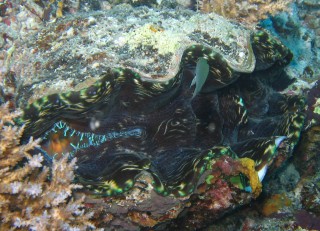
[87,139]
[75,147]
[65,131]
[74,131]
[241,102]
[60,125]
[248,189]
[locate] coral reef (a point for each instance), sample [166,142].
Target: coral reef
[48,48]
[141,132]
[143,207]
[33,197]
[299,30]
[275,203]
[310,194]
[125,131]
[309,12]
[290,197]
[313,98]
[249,11]
[307,154]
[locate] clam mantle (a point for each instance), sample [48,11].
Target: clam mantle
[147,141]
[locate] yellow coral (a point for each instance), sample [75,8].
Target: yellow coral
[249,170]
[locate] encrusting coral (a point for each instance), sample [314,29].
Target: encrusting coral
[249,11]
[249,170]
[32,198]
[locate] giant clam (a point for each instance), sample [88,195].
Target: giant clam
[173,112]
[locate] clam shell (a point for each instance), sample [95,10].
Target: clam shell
[148,41]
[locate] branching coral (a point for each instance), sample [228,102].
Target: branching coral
[247,11]
[31,198]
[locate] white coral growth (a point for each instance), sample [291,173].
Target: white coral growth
[29,200]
